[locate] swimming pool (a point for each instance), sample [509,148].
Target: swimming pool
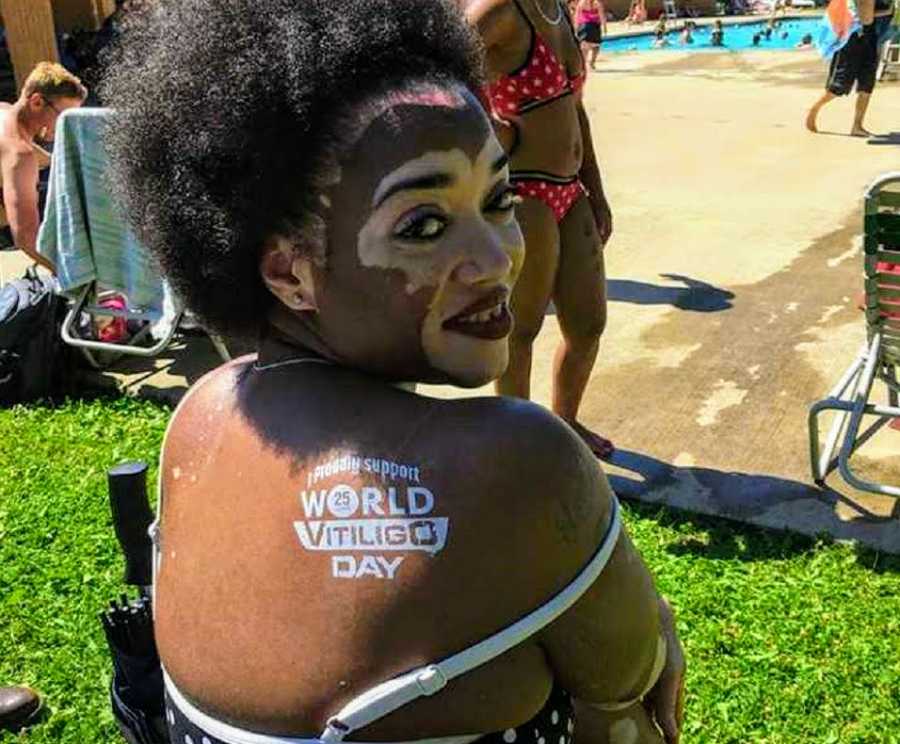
[738,36]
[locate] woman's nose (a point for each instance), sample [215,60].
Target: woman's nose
[488,259]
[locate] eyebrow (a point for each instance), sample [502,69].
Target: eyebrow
[432,181]
[427,181]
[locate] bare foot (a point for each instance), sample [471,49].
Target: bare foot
[860,132]
[811,121]
[601,447]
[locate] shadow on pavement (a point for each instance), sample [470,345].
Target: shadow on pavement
[696,296]
[892,138]
[762,500]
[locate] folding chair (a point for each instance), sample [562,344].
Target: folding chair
[94,251]
[890,57]
[879,358]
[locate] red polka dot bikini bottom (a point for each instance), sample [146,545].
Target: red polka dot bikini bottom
[559,194]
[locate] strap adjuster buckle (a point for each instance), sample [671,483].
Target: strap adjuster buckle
[431,680]
[335,730]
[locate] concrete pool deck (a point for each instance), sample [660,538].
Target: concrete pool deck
[732,276]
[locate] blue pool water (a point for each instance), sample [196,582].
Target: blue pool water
[738,36]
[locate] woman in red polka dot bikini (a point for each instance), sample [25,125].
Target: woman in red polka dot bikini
[536,73]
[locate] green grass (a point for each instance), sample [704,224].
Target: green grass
[788,639]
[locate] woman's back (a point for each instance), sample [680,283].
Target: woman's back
[323,531]
[352,538]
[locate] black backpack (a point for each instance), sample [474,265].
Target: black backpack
[34,362]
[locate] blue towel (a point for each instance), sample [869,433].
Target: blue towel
[82,232]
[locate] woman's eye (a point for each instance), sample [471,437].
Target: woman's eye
[421,228]
[505,200]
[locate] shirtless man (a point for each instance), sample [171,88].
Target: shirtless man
[49,90]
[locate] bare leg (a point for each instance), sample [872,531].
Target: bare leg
[580,297]
[585,49]
[862,105]
[814,111]
[531,295]
[595,48]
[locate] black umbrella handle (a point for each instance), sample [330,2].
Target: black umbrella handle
[132,517]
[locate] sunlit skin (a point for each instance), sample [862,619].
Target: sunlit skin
[424,253]
[867,16]
[283,643]
[21,160]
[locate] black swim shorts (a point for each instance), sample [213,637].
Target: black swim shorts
[856,62]
[592,33]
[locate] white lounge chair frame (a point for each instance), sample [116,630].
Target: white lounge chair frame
[880,357]
[890,58]
[132,348]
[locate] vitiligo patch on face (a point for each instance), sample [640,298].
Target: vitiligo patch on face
[374,245]
[369,529]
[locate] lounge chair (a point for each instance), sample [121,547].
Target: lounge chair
[879,358]
[670,10]
[101,267]
[890,56]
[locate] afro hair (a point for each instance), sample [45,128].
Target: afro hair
[229,112]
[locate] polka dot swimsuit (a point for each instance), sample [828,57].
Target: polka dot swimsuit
[543,78]
[554,724]
[558,196]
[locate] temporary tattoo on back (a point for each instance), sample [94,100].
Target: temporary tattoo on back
[370,530]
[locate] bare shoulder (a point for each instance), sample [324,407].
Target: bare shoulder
[16,155]
[215,392]
[522,448]
[496,20]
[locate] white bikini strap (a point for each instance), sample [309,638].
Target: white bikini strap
[229,734]
[389,696]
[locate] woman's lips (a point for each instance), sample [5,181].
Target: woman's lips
[488,318]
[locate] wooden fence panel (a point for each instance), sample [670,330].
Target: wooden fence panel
[29,34]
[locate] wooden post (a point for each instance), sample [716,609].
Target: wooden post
[30,34]
[86,15]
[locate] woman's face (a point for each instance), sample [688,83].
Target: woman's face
[423,246]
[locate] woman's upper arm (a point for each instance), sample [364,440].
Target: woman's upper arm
[495,21]
[603,648]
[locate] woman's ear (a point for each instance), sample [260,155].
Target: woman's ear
[288,275]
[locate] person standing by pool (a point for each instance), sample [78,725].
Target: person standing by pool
[637,13]
[856,61]
[590,21]
[536,73]
[717,38]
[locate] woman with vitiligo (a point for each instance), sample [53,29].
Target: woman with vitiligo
[342,199]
